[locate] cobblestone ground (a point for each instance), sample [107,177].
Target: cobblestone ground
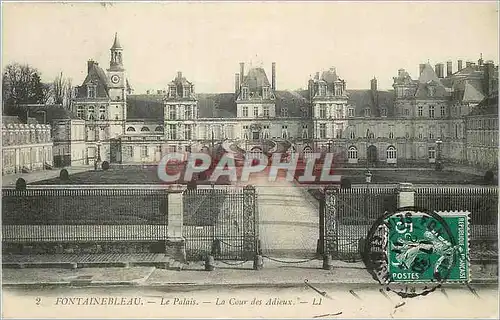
[288,220]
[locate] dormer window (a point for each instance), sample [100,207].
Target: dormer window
[91,91]
[322,90]
[383,112]
[187,92]
[368,112]
[244,93]
[284,112]
[265,93]
[173,91]
[350,112]
[304,112]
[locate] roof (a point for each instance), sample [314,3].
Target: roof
[116,43]
[255,79]
[473,92]
[50,113]
[375,101]
[293,101]
[329,76]
[96,76]
[145,106]
[489,106]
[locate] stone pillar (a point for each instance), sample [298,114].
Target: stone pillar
[406,195]
[175,244]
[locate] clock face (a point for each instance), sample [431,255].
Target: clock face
[115,79]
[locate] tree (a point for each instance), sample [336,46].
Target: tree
[62,90]
[21,84]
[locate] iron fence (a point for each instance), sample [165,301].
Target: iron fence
[480,201]
[84,214]
[220,222]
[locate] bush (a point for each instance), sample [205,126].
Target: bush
[20,184]
[105,165]
[345,183]
[489,177]
[64,175]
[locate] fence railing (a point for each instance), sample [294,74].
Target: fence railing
[481,202]
[90,214]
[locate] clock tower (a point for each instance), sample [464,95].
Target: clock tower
[116,72]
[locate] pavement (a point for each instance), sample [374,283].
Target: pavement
[284,273]
[10,179]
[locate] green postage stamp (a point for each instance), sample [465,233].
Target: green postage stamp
[423,249]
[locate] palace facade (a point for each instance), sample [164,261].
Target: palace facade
[420,121]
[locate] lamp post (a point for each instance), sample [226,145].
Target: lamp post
[438,156]
[368,180]
[330,142]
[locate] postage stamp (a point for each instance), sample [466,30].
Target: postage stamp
[420,250]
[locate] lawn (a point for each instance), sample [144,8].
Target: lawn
[148,175]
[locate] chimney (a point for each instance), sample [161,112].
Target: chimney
[316,76]
[460,67]
[480,61]
[373,83]
[90,63]
[449,68]
[236,83]
[242,72]
[421,68]
[273,76]
[439,70]
[468,64]
[179,74]
[489,76]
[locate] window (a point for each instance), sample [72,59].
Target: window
[187,132]
[391,153]
[456,131]
[266,111]
[265,132]
[130,129]
[431,111]
[340,113]
[368,112]
[350,112]
[431,133]
[245,111]
[407,112]
[245,132]
[443,111]
[284,132]
[188,112]
[338,134]
[172,112]
[159,129]
[265,92]
[432,153]
[391,132]
[158,149]
[255,111]
[322,111]
[91,91]
[187,92]
[383,112]
[420,133]
[129,151]
[284,112]
[244,93]
[322,90]
[352,134]
[172,130]
[80,112]
[407,135]
[144,129]
[420,111]
[352,154]
[144,152]
[322,131]
[173,91]
[308,152]
[304,131]
[102,116]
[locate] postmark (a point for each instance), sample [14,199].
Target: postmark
[413,251]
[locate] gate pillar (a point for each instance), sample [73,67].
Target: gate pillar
[250,223]
[331,223]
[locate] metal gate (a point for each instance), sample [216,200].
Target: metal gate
[346,216]
[222,222]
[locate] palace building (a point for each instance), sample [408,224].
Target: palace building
[422,120]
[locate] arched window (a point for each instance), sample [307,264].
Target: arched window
[391,154]
[130,129]
[102,116]
[144,129]
[159,129]
[307,152]
[352,153]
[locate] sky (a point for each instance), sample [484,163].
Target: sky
[207,41]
